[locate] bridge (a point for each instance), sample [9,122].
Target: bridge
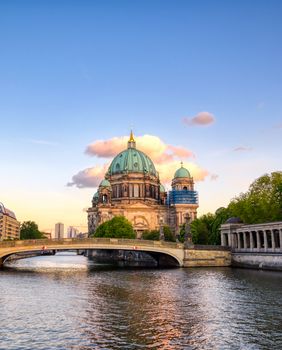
[171,250]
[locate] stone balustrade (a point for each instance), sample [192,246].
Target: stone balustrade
[260,238]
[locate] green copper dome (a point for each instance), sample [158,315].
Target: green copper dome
[182,172]
[105,183]
[162,189]
[132,160]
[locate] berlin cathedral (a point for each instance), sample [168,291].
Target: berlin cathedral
[132,188]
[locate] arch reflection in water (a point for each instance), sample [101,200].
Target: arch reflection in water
[105,308]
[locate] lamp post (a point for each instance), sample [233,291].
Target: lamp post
[162,237]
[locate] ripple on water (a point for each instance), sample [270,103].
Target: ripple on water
[79,306]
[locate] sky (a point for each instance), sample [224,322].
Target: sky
[197,81]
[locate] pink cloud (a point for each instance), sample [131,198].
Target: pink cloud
[153,146]
[278,126]
[201,119]
[165,157]
[214,177]
[90,177]
[106,148]
[242,149]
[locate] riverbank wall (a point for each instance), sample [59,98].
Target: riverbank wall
[264,261]
[206,256]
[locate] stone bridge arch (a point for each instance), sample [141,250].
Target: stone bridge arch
[174,250]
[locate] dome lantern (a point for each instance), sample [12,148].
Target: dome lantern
[131,142]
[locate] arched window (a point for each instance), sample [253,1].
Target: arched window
[104,198]
[117,167]
[185,188]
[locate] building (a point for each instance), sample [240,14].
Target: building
[59,231]
[72,232]
[132,188]
[9,226]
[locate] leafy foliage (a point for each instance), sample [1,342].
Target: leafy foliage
[29,230]
[154,235]
[118,227]
[262,202]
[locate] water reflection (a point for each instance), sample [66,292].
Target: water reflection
[98,307]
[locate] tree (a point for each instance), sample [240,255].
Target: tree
[168,234]
[154,235]
[118,227]
[262,202]
[29,230]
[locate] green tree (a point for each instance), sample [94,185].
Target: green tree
[29,230]
[262,202]
[154,235]
[168,234]
[118,227]
[220,217]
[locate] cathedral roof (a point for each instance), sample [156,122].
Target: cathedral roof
[162,189]
[182,172]
[132,160]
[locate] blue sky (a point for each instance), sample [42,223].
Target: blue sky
[73,72]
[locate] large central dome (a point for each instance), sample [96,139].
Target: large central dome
[132,160]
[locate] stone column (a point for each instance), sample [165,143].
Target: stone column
[245,240]
[258,240]
[222,239]
[234,240]
[272,240]
[239,240]
[230,244]
[265,241]
[251,240]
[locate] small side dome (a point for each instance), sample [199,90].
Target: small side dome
[105,183]
[162,189]
[95,197]
[182,172]
[234,220]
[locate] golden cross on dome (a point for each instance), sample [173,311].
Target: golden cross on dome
[181,164]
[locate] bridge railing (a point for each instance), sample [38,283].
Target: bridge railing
[89,241]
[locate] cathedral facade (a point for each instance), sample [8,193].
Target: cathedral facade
[132,188]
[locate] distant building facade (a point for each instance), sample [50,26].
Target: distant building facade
[132,188]
[59,231]
[72,232]
[9,226]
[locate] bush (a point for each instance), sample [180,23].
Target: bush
[154,235]
[118,227]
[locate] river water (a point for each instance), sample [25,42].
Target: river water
[68,302]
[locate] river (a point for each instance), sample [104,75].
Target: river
[67,302]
